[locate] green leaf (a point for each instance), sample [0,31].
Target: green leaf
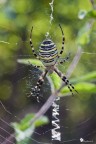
[82,87]
[86,87]
[41,121]
[22,135]
[30,61]
[56,80]
[87,14]
[92,13]
[24,130]
[88,77]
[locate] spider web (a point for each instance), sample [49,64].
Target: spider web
[85,127]
[73,130]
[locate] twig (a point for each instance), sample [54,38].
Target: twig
[74,62]
[93,4]
[51,99]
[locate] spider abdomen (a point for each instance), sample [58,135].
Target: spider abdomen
[48,52]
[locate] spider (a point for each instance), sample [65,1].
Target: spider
[48,55]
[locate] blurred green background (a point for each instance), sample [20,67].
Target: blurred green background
[77,19]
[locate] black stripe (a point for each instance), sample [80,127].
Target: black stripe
[63,38]
[47,42]
[48,53]
[49,47]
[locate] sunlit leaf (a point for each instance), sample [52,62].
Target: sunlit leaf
[82,87]
[56,80]
[92,13]
[41,121]
[24,130]
[86,87]
[30,61]
[88,77]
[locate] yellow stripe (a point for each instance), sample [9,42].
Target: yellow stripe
[45,58]
[48,50]
[47,44]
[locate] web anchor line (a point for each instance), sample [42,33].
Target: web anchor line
[51,18]
[51,15]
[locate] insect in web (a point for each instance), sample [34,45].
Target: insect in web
[49,56]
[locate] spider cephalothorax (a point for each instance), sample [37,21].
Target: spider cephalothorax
[49,56]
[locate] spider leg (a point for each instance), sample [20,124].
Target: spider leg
[63,39]
[66,81]
[31,44]
[65,59]
[37,88]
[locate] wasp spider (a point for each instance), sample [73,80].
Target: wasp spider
[49,56]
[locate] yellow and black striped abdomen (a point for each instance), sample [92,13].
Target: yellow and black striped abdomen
[48,52]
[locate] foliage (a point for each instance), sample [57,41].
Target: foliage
[24,130]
